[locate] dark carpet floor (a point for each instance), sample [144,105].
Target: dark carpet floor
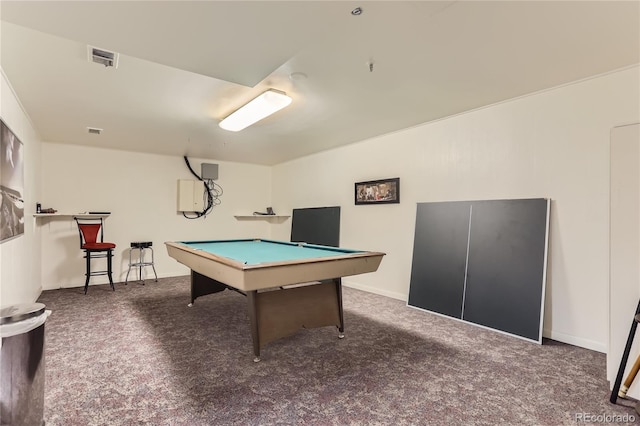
[139,355]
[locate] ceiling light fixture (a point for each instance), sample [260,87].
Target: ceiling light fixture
[263,106]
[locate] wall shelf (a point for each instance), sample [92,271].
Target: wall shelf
[69,215]
[268,217]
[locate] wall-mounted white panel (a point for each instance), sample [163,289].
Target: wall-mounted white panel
[191,195]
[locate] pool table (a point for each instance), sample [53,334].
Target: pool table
[288,285]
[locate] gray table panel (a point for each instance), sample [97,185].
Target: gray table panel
[506,265]
[316,225]
[482,262]
[439,257]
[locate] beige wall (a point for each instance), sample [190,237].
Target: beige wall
[140,190]
[625,246]
[553,144]
[20,257]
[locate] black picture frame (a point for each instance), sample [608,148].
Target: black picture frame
[382,191]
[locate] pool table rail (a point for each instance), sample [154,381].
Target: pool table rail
[260,276]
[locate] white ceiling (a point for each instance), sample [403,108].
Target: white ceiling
[186,65]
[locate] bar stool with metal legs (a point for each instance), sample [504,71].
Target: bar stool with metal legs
[91,241]
[141,246]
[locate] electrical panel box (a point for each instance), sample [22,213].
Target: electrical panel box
[190,195]
[209,171]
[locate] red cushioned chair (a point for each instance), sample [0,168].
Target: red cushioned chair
[90,230]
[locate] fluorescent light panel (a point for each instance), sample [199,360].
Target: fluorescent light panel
[263,106]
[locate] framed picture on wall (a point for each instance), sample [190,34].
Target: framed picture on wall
[11,184]
[383,191]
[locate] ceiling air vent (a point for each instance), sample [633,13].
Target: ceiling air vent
[94,130]
[103,57]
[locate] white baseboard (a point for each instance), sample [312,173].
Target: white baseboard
[369,289]
[38,293]
[554,335]
[103,280]
[575,341]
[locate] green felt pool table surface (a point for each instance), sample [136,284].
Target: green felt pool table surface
[252,252]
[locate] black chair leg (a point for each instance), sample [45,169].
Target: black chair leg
[109,255]
[88,274]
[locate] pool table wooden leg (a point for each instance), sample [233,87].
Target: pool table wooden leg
[275,314]
[253,318]
[202,285]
